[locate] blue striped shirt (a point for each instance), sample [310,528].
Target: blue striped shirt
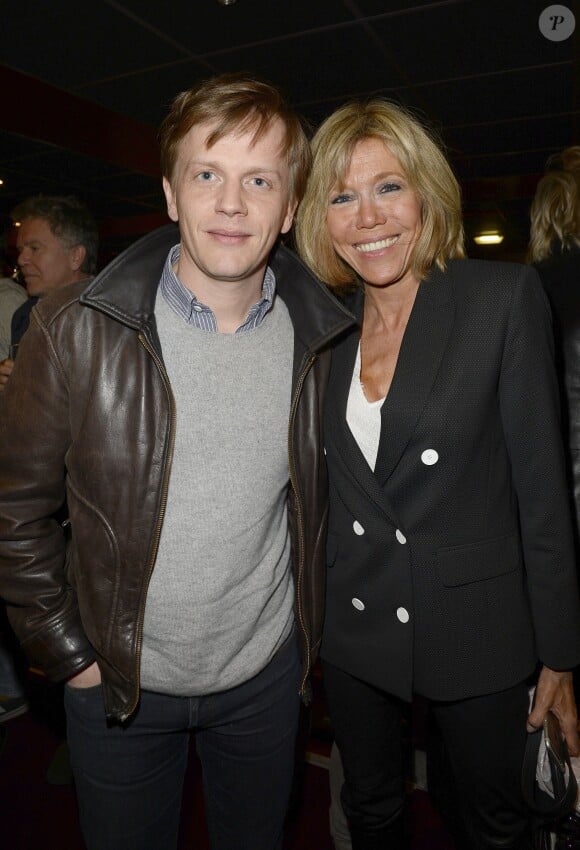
[183,302]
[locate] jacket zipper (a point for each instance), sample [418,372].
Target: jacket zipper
[299,521]
[160,516]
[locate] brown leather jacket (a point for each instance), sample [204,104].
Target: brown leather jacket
[90,395]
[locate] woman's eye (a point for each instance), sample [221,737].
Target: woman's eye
[340,199]
[389,187]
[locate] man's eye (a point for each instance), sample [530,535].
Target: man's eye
[260,182]
[204,176]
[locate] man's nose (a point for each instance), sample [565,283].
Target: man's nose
[231,199]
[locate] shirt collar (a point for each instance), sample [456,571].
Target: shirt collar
[183,302]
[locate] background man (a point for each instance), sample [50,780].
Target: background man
[177,403]
[57,245]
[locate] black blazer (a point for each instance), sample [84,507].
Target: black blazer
[451,568]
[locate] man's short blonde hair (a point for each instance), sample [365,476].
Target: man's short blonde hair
[236,102]
[423,164]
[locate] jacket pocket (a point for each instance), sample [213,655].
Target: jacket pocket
[459,565]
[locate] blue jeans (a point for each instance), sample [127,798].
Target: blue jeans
[129,778]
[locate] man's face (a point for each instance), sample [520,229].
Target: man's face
[232,202]
[45,261]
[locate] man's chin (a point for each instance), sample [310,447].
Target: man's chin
[34,289]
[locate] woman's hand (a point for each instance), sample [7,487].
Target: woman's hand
[555,692]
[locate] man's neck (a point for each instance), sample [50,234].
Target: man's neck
[229,300]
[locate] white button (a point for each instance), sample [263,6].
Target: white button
[324,450]
[360,606]
[357,528]
[400,536]
[197,308]
[402,615]
[429,457]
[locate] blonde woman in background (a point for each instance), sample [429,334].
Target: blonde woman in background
[555,252]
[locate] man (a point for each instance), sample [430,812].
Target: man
[57,245]
[181,391]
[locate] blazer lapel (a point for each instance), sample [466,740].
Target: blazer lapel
[419,359]
[337,430]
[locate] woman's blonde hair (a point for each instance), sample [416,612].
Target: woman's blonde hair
[423,164]
[554,215]
[566,160]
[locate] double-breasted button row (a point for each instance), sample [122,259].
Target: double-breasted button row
[359,531]
[403,615]
[429,457]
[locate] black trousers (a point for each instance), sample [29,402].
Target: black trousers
[480,761]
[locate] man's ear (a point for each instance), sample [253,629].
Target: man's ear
[287,223]
[77,256]
[170,199]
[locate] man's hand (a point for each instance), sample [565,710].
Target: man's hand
[6,367]
[87,678]
[555,692]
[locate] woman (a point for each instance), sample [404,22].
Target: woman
[451,570]
[555,252]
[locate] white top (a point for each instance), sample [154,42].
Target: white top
[364,417]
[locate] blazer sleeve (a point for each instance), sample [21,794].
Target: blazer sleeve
[529,406]
[34,437]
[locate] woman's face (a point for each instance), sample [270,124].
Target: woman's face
[374,216]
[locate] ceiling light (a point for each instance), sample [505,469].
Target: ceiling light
[488,237]
[227,2]
[1,182]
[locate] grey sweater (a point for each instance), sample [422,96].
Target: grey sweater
[220,601]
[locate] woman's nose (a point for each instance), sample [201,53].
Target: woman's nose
[370,213]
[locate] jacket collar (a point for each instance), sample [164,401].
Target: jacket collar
[127,288]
